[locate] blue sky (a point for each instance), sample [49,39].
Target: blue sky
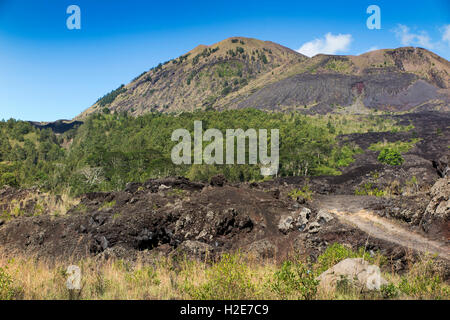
[48,72]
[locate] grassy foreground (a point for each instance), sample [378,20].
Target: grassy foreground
[234,276]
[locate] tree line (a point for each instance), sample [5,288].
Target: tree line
[109,150]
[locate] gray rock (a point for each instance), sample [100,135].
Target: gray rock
[210,215]
[202,235]
[285,224]
[356,272]
[314,227]
[163,187]
[304,216]
[440,204]
[295,220]
[324,217]
[442,166]
[437,212]
[104,243]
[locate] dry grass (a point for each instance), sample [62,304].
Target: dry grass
[234,277]
[33,203]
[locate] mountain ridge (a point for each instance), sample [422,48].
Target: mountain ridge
[243,72]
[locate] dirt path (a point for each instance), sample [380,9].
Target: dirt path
[350,210]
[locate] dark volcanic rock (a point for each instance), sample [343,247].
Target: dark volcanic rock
[218,180]
[436,219]
[441,166]
[382,91]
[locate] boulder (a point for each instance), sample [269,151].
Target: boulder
[355,272]
[436,218]
[304,215]
[441,166]
[295,220]
[286,224]
[324,217]
[314,227]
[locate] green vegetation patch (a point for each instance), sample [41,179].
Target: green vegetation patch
[391,157]
[229,69]
[110,150]
[400,146]
[391,152]
[340,66]
[304,193]
[368,189]
[110,97]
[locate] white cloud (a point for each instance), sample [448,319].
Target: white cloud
[446,34]
[407,38]
[331,44]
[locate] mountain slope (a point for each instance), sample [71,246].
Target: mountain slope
[403,79]
[241,73]
[199,78]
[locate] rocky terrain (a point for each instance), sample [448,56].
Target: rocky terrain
[177,217]
[241,72]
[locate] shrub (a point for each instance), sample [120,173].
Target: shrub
[195,59]
[391,157]
[294,279]
[190,77]
[146,275]
[389,291]
[226,90]
[240,50]
[8,178]
[424,281]
[226,280]
[369,190]
[109,204]
[304,193]
[7,289]
[264,59]
[400,146]
[338,252]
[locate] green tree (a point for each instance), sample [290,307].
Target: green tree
[391,157]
